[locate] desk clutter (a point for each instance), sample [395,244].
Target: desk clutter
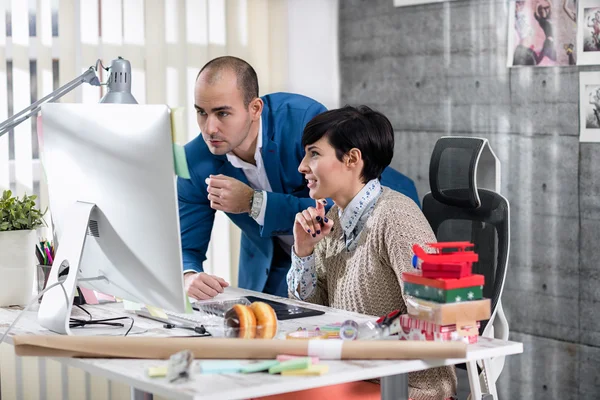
[181,366]
[444,298]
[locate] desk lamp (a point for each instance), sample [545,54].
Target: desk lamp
[119,91]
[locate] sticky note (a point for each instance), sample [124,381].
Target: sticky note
[178,131]
[259,366]
[89,296]
[220,367]
[130,305]
[188,306]
[285,357]
[181,165]
[296,363]
[157,312]
[104,297]
[313,370]
[157,372]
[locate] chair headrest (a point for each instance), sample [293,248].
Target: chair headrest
[459,167]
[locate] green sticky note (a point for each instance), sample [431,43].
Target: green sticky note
[181,165]
[296,363]
[188,306]
[130,305]
[259,366]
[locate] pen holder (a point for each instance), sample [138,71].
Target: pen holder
[42,274]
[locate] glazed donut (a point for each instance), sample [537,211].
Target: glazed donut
[266,320]
[242,319]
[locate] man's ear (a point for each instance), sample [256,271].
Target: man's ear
[353,157]
[255,107]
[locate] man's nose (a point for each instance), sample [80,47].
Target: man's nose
[212,125]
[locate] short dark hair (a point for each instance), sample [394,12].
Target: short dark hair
[363,128]
[247,80]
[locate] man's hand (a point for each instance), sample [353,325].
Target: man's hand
[228,194]
[202,286]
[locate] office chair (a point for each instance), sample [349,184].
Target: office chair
[465,205]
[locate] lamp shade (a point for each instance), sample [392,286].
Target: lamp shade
[119,83]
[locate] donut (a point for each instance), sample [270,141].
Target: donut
[242,319]
[266,320]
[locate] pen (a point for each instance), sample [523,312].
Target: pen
[49,256]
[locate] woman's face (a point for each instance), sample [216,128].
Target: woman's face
[326,175]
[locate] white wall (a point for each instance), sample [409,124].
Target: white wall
[313,56]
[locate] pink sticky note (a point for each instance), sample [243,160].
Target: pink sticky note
[105,297]
[89,296]
[285,357]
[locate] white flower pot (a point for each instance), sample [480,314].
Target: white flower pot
[17,267]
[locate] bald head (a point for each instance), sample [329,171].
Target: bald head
[247,82]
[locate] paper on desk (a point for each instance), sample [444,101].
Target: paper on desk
[212,348]
[132,306]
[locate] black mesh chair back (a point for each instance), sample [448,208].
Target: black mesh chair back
[458,210]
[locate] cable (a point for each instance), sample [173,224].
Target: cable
[74,322]
[36,298]
[77,322]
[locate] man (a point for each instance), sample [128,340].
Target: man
[245,163]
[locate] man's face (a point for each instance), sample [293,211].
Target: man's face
[222,117]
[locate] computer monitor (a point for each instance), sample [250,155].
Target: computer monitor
[113,202]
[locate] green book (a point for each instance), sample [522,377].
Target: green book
[443,296]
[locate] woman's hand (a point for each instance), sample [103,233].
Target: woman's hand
[310,226]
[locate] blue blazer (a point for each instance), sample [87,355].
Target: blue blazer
[284,117]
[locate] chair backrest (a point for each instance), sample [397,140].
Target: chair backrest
[458,210]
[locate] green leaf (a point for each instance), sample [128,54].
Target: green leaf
[18,214]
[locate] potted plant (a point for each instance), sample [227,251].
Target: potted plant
[19,219]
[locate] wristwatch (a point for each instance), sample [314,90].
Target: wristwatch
[256,203]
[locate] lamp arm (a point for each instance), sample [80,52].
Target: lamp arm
[88,76]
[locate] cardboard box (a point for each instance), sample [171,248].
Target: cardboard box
[466,313]
[442,295]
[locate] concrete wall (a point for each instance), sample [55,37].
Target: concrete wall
[440,69]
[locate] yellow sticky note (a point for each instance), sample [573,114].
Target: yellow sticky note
[178,131]
[157,372]
[156,312]
[313,370]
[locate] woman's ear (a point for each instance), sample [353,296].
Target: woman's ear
[353,157]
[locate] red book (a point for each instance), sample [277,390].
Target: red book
[443,283]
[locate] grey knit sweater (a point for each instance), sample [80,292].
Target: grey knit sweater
[368,279]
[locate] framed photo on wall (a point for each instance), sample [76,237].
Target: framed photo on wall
[542,33]
[589,106]
[588,32]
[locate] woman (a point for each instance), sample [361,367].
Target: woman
[352,257]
